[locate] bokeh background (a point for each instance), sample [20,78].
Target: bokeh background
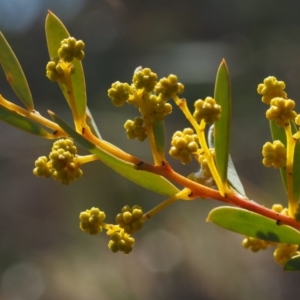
[177,255]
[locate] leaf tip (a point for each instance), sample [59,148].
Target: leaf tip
[208,219]
[51,113]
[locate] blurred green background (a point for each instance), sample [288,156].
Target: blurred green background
[177,255]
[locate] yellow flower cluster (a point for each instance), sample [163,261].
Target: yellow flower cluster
[184,145]
[284,252]
[255,244]
[135,129]
[207,110]
[149,95]
[121,242]
[130,219]
[281,111]
[271,88]
[71,48]
[62,164]
[91,220]
[274,154]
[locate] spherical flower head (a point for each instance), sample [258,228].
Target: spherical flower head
[71,48]
[135,129]
[130,219]
[91,220]
[42,167]
[297,120]
[53,72]
[281,111]
[204,164]
[145,79]
[255,244]
[119,93]
[271,88]
[274,154]
[184,144]
[65,144]
[284,252]
[159,107]
[169,87]
[207,110]
[121,242]
[65,165]
[277,207]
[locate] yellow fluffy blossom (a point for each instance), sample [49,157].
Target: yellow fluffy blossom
[145,79]
[274,154]
[271,88]
[71,48]
[207,110]
[284,252]
[120,241]
[281,111]
[62,164]
[184,144]
[119,93]
[135,129]
[130,219]
[255,244]
[91,220]
[169,87]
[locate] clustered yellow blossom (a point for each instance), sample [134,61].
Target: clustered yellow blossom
[274,154]
[128,221]
[63,164]
[91,220]
[271,88]
[149,95]
[184,145]
[207,110]
[70,49]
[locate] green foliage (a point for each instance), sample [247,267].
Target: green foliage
[253,225]
[232,176]
[14,73]
[222,126]
[148,180]
[159,136]
[292,264]
[23,123]
[217,177]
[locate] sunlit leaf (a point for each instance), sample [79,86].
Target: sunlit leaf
[234,179]
[254,225]
[148,180]
[232,176]
[292,264]
[222,96]
[296,166]
[23,123]
[159,136]
[55,33]
[14,73]
[91,123]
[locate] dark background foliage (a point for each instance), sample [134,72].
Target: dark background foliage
[43,254]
